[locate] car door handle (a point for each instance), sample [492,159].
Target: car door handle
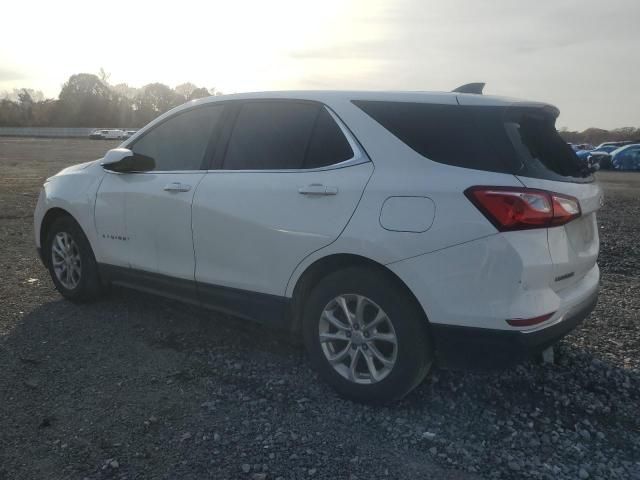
[177,187]
[318,189]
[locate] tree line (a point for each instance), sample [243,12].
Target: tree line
[88,100]
[595,136]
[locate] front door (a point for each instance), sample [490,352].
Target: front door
[144,219]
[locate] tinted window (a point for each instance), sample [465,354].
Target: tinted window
[270,135]
[180,143]
[276,135]
[443,133]
[516,141]
[328,144]
[539,146]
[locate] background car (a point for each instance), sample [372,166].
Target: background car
[107,134]
[611,146]
[607,148]
[581,146]
[626,158]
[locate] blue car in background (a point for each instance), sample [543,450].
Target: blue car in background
[626,158]
[601,157]
[611,146]
[607,148]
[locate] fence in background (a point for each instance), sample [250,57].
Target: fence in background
[49,132]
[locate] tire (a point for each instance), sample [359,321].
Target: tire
[84,286]
[406,364]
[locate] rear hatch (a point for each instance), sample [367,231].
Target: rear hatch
[543,160]
[509,137]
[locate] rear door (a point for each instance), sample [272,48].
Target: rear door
[288,184]
[550,164]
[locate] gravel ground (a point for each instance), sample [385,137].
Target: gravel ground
[140,387]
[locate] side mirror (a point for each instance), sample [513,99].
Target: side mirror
[123,160]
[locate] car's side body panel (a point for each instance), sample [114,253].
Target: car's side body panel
[74,191]
[142,225]
[250,229]
[401,171]
[252,235]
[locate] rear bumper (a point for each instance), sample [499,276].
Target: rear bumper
[469,347]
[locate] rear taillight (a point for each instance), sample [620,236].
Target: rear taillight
[514,208]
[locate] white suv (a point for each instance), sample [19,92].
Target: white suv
[390,230]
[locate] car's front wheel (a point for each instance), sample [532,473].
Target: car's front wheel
[366,336]
[71,262]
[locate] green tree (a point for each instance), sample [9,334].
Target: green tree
[26,107]
[198,93]
[185,89]
[43,113]
[84,101]
[154,100]
[9,113]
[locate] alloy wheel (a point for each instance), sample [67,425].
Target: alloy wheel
[358,339]
[66,260]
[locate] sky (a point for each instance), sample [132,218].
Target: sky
[581,55]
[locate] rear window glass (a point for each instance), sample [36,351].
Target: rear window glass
[517,141]
[541,149]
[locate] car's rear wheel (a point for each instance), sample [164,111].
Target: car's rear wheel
[71,262]
[366,335]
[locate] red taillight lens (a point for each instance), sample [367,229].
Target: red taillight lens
[513,208]
[565,208]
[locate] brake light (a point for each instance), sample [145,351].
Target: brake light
[514,208]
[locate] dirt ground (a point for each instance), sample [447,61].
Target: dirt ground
[140,387]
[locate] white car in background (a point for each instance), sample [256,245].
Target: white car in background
[107,134]
[390,230]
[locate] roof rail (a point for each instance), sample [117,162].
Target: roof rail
[476,88]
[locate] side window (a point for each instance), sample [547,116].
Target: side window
[448,134]
[284,135]
[180,142]
[328,144]
[271,135]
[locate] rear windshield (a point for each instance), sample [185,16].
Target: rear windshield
[519,141]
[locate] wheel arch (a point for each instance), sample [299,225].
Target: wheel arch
[48,220]
[330,264]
